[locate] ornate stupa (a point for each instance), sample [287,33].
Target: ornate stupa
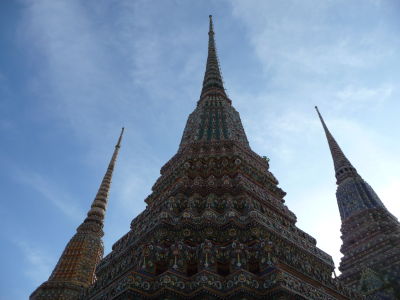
[215,227]
[75,270]
[370,233]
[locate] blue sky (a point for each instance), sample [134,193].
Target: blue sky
[72,73]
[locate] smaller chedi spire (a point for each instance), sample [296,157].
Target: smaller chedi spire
[353,193]
[212,77]
[370,233]
[76,267]
[343,167]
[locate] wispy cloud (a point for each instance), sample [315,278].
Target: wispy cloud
[361,96]
[311,50]
[51,192]
[5,99]
[39,263]
[76,69]
[98,75]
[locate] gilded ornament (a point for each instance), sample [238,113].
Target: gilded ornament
[232,232]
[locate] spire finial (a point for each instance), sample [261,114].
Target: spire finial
[320,117]
[322,120]
[120,138]
[343,167]
[211,30]
[212,77]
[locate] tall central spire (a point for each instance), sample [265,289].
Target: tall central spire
[214,119]
[212,77]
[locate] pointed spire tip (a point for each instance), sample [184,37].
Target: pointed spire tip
[319,115]
[120,137]
[212,77]
[211,25]
[340,161]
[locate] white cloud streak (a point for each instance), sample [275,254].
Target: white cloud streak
[51,192]
[39,263]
